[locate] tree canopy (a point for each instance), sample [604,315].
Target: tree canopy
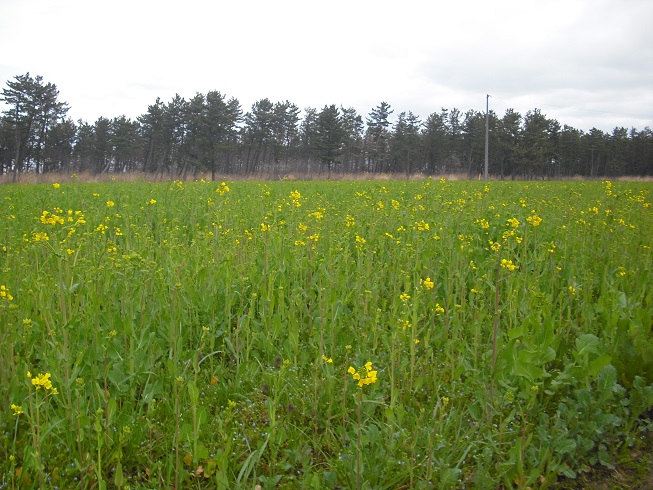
[212,133]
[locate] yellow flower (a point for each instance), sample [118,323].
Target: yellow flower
[17,409]
[535,220]
[507,264]
[438,308]
[364,376]
[110,204]
[42,381]
[404,297]
[514,222]
[56,185]
[4,293]
[428,284]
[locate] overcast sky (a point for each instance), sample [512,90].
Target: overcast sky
[586,63]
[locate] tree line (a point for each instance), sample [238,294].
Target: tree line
[211,133]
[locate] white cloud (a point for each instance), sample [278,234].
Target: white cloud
[586,63]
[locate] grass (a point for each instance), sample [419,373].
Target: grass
[201,335]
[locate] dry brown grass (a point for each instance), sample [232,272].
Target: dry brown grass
[32,178]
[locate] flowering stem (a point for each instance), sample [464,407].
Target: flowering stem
[495,331]
[359,455]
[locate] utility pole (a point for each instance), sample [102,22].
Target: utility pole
[487,130]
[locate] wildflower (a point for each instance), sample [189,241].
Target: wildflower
[151,202]
[514,222]
[507,264]
[42,381]
[222,188]
[4,293]
[445,401]
[427,283]
[326,359]
[534,220]
[56,185]
[572,289]
[17,409]
[483,222]
[110,204]
[438,308]
[265,227]
[404,297]
[422,225]
[364,376]
[496,246]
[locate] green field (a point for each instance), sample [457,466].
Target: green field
[207,335]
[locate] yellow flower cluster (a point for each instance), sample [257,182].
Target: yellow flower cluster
[17,409]
[295,196]
[534,220]
[427,283]
[48,218]
[4,293]
[42,381]
[422,225]
[326,359]
[514,222]
[222,189]
[483,222]
[507,264]
[364,376]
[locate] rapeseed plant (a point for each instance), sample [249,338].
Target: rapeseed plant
[5,294]
[363,376]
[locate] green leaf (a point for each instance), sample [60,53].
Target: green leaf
[587,344]
[565,446]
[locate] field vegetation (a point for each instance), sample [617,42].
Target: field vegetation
[355,334]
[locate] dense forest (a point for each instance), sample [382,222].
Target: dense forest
[211,133]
